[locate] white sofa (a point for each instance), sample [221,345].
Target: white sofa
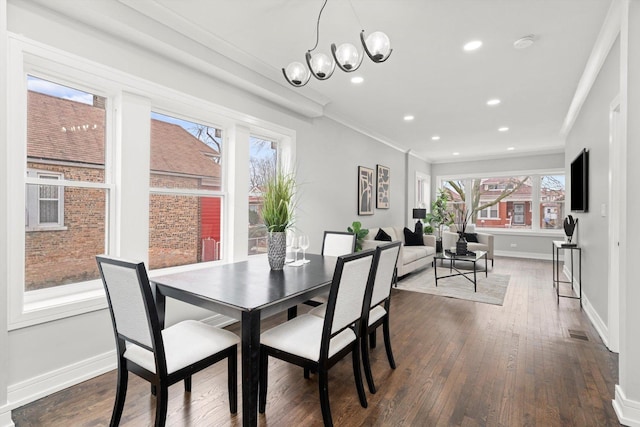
[410,257]
[485,241]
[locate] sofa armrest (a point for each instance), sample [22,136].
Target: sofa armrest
[429,240]
[487,239]
[370,244]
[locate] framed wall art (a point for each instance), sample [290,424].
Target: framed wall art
[365,191]
[382,183]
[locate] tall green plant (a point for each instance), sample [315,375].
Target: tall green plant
[356,228]
[439,215]
[277,208]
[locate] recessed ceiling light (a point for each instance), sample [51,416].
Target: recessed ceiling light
[456,154]
[408,118]
[435,137]
[357,79]
[511,148]
[493,102]
[472,45]
[503,129]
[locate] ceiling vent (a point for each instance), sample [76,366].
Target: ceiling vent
[524,42]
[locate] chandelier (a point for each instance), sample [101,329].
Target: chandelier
[376,45]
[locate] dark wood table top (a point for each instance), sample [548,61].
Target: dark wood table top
[249,285]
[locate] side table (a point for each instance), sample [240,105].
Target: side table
[558,245]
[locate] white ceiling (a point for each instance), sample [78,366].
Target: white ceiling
[428,74]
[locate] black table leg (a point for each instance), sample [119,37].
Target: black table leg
[475,280]
[250,366]
[435,270]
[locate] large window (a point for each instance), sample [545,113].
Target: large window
[65,200]
[534,201]
[185,205]
[262,164]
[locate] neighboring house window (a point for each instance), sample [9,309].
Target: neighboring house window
[185,205]
[263,156]
[45,203]
[489,213]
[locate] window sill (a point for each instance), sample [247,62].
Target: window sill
[47,305]
[521,232]
[52,228]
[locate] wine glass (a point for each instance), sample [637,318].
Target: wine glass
[290,236]
[304,244]
[295,247]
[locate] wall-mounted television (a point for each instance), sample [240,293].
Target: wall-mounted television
[580,182]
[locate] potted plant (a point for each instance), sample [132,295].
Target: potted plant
[277,215]
[439,217]
[462,219]
[356,228]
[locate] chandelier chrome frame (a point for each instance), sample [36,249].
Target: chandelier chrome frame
[319,65]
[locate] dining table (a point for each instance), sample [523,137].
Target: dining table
[248,291]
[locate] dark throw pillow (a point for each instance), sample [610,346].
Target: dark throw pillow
[382,236]
[470,237]
[412,239]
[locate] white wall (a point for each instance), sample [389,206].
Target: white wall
[48,356]
[591,131]
[527,244]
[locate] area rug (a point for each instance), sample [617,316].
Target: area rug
[491,290]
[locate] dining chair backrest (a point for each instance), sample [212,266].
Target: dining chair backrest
[337,243]
[385,270]
[130,301]
[350,289]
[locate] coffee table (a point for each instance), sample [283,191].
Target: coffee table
[472,257]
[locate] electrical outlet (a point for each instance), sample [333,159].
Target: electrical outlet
[514,245]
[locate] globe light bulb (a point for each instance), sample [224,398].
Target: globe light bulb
[297,74]
[321,65]
[377,46]
[347,57]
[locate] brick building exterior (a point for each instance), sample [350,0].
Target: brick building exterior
[66,140]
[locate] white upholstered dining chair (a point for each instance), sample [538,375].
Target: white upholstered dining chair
[317,343]
[387,255]
[161,356]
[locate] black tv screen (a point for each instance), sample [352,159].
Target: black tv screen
[580,182]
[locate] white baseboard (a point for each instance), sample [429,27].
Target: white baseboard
[5,417]
[628,411]
[596,320]
[529,255]
[27,391]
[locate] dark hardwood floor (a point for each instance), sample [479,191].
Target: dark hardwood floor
[459,363]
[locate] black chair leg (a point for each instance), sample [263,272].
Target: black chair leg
[372,339]
[357,374]
[262,381]
[387,342]
[366,363]
[121,394]
[187,384]
[162,401]
[232,379]
[323,380]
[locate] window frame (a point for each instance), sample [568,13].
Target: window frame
[27,57]
[535,175]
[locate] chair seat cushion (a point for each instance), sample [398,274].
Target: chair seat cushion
[376,313]
[302,335]
[185,343]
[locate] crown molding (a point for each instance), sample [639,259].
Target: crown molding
[607,36]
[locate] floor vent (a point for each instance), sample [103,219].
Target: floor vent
[580,335]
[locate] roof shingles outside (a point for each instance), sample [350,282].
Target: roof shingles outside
[50,136]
